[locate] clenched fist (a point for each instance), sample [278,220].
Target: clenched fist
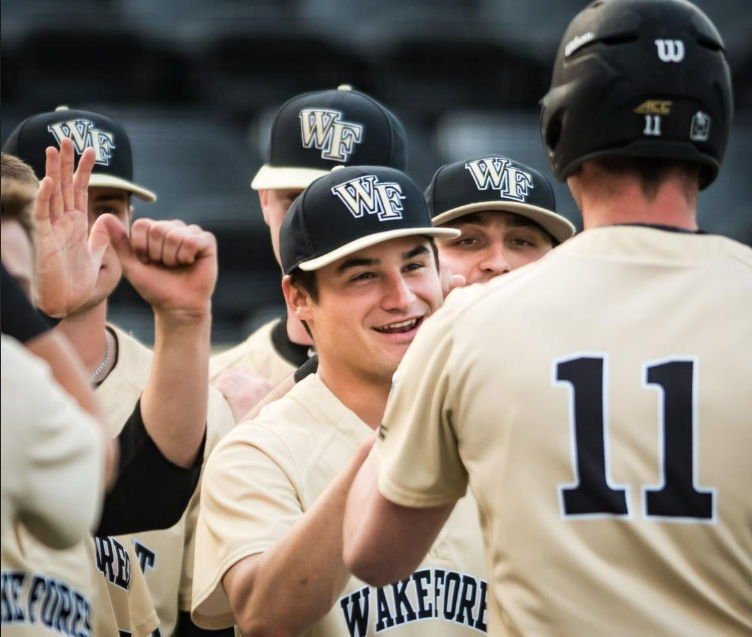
[172,266]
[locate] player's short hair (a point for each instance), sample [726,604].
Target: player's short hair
[19,189]
[652,172]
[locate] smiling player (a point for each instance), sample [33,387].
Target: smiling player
[362,274]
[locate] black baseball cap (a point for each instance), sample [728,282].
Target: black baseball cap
[495,182]
[113,166]
[350,209]
[314,132]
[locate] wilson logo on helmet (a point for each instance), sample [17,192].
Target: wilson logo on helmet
[368,195]
[326,131]
[670,50]
[497,174]
[84,134]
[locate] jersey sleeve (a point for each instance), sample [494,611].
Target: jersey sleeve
[133,505]
[60,448]
[417,456]
[250,497]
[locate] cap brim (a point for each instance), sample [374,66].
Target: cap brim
[277,177]
[556,225]
[110,181]
[373,239]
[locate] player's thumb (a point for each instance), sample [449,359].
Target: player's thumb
[458,281]
[99,239]
[107,230]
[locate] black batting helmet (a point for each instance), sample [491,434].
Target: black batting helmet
[638,78]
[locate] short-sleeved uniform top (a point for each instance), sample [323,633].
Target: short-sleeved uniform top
[93,588]
[257,354]
[267,473]
[599,403]
[52,453]
[164,556]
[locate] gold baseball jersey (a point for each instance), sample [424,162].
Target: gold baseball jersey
[89,587]
[46,591]
[93,588]
[257,354]
[161,555]
[52,453]
[267,473]
[124,605]
[598,403]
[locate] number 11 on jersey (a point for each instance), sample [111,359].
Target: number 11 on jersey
[592,495]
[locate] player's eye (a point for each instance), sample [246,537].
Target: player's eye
[466,242]
[414,266]
[524,241]
[363,276]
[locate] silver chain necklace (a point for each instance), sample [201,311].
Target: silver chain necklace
[98,372]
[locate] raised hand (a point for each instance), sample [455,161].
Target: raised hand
[68,257]
[174,269]
[172,266]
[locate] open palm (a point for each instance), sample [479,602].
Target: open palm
[68,255]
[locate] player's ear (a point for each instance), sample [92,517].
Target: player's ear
[298,300]
[264,200]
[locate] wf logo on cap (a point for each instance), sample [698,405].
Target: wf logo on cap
[326,131]
[497,174]
[367,195]
[84,134]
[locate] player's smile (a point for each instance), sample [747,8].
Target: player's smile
[401,331]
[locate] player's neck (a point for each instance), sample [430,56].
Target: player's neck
[296,332]
[365,397]
[606,200]
[86,331]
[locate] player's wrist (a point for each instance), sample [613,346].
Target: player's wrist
[182,317]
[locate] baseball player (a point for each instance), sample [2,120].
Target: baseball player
[312,133]
[362,273]
[53,451]
[597,401]
[505,210]
[90,586]
[174,268]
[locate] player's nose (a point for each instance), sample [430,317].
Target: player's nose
[397,295]
[494,260]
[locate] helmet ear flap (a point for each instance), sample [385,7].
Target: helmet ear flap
[552,131]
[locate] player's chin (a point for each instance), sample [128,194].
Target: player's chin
[391,354]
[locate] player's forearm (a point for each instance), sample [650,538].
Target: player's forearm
[174,402]
[297,582]
[382,541]
[357,532]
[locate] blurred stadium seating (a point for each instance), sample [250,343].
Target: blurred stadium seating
[197,82]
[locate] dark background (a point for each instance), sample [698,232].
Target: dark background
[196,84]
